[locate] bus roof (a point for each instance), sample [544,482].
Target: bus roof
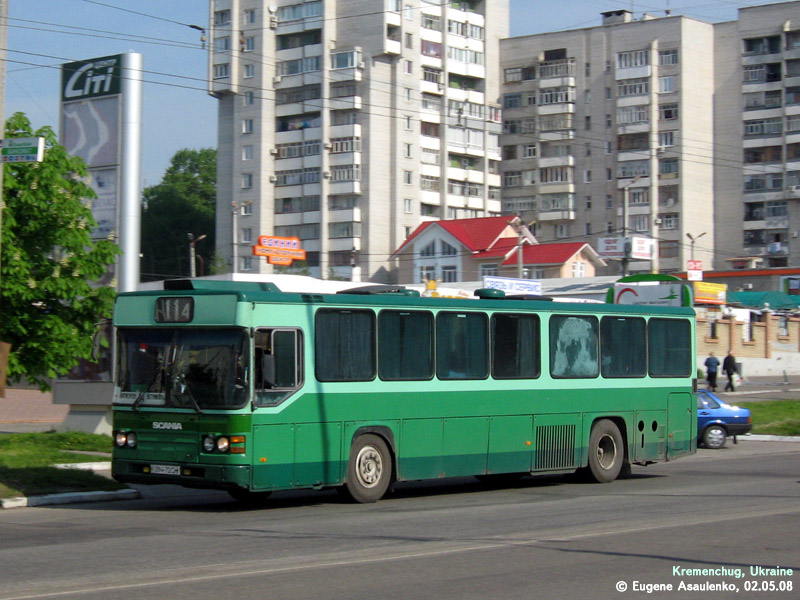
[379,295]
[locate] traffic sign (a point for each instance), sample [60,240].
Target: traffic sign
[23,149]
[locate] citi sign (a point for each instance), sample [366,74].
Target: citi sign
[90,78]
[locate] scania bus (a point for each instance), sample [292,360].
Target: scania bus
[240,387]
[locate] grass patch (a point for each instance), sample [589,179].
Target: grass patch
[775,417]
[26,461]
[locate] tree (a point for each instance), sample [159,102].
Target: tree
[183,203]
[49,305]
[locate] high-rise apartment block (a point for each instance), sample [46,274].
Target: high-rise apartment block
[757,137]
[670,128]
[610,122]
[346,123]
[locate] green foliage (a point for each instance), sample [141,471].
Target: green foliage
[774,417]
[26,461]
[183,203]
[49,297]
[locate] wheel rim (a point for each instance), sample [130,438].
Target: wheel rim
[606,452]
[369,466]
[715,437]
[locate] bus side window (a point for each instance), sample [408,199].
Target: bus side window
[277,364]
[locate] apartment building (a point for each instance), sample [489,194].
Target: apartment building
[757,137]
[346,123]
[610,128]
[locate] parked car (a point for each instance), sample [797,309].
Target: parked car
[716,420]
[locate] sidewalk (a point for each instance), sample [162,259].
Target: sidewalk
[29,410]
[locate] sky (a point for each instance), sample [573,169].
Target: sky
[177,111]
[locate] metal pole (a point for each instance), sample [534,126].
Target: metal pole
[192,268]
[130,219]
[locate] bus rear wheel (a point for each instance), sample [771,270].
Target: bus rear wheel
[606,452]
[369,470]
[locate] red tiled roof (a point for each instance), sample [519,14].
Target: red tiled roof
[475,234]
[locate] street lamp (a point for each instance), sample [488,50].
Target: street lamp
[692,240]
[192,259]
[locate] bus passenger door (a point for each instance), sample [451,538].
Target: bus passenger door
[682,423]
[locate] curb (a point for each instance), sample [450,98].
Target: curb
[70,498]
[89,466]
[769,438]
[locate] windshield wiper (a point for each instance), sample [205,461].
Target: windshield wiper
[183,387]
[137,402]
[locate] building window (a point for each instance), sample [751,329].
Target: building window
[247,235]
[250,16]
[221,71]
[488,270]
[247,153]
[666,85]
[668,112]
[245,263]
[249,44]
[668,249]
[666,139]
[668,57]
[670,221]
[248,125]
[408,177]
[639,86]
[635,58]
[449,274]
[248,98]
[408,205]
[222,17]
[249,71]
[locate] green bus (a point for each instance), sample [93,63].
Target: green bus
[241,387]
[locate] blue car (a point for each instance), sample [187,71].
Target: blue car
[716,420]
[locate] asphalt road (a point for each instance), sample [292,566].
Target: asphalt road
[548,537]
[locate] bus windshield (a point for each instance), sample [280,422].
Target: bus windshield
[182,368]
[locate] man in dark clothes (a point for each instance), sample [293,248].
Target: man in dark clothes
[729,368]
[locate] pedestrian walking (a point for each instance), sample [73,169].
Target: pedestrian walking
[712,366]
[729,368]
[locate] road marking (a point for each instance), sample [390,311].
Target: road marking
[222,571]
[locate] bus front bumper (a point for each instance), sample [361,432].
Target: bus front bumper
[219,477]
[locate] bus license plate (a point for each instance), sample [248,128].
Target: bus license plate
[165,469]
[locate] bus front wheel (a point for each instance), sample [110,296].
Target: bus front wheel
[369,470]
[606,452]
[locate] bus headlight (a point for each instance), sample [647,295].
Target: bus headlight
[223,444]
[121,439]
[209,444]
[133,439]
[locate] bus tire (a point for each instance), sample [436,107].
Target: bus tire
[606,452]
[369,469]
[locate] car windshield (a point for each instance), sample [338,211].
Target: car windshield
[706,401]
[182,368]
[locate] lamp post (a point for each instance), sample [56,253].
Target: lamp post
[692,240]
[192,259]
